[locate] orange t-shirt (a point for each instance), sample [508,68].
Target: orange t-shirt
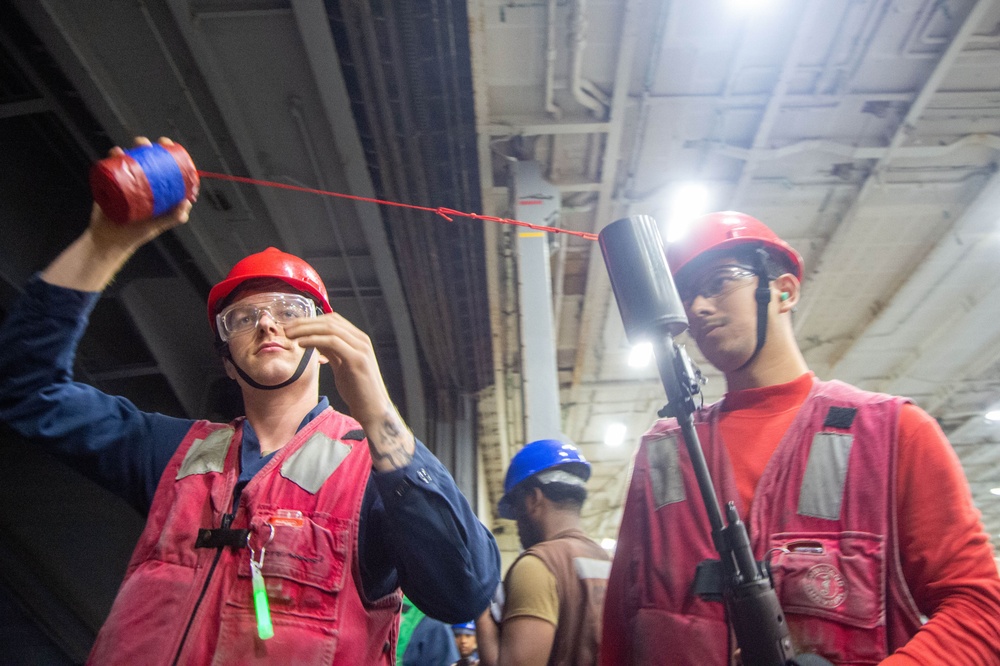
[946,555]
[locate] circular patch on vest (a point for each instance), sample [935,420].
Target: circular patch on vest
[825,586]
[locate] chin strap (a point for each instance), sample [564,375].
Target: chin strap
[763,297]
[252,382]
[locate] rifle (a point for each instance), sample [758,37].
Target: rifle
[651,309]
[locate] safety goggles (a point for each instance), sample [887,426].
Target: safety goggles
[242,317]
[717,282]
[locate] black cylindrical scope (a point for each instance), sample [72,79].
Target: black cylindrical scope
[645,291]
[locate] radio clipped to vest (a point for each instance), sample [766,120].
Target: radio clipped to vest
[652,311]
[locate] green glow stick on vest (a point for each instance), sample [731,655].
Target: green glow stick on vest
[264,627]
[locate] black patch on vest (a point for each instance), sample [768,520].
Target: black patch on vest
[709,580]
[354,435]
[840,417]
[222,538]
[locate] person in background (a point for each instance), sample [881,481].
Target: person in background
[424,641]
[856,498]
[553,592]
[465,641]
[323,515]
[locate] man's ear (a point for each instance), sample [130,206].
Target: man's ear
[787,288]
[533,499]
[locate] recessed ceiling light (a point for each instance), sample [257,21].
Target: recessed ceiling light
[640,355]
[615,434]
[688,201]
[993,415]
[995,491]
[609,544]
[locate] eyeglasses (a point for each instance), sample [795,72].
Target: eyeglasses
[718,282]
[242,317]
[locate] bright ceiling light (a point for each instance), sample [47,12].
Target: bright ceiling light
[750,5]
[688,201]
[615,434]
[640,355]
[995,491]
[609,544]
[993,415]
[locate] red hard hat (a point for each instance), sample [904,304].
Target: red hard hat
[724,231]
[271,263]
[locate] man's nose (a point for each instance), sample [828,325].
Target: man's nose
[700,304]
[267,324]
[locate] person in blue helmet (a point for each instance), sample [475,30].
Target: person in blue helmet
[465,642]
[554,591]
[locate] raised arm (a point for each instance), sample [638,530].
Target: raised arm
[359,382]
[106,437]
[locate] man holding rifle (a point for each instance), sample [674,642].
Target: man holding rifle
[856,499]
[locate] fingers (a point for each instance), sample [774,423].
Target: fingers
[333,326]
[140,141]
[179,214]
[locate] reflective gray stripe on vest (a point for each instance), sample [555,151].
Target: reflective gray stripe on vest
[206,455]
[312,465]
[588,567]
[665,472]
[826,475]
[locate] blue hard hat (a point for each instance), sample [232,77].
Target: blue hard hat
[464,628]
[536,457]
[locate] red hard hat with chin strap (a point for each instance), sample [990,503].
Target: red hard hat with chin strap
[275,264]
[728,230]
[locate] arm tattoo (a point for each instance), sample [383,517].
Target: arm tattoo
[392,444]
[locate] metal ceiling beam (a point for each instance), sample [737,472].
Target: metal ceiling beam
[931,272]
[850,152]
[539,127]
[803,33]
[492,234]
[598,304]
[837,246]
[314,26]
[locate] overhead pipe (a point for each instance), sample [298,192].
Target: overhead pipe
[550,60]
[584,92]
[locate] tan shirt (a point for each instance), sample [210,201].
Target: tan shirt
[576,569]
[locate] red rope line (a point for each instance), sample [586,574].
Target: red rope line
[447,213]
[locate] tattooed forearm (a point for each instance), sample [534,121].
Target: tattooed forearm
[391,444]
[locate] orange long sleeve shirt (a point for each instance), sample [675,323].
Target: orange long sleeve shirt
[946,555]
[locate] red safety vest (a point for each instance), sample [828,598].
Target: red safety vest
[194,605]
[824,509]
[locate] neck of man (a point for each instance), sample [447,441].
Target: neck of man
[276,414]
[779,361]
[559,520]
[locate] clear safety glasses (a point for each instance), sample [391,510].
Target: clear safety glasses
[244,316]
[717,282]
